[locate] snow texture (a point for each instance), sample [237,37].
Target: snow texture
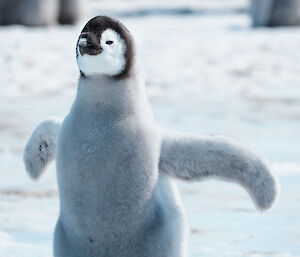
[207,71]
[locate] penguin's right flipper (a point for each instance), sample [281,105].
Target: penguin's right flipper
[193,158]
[39,151]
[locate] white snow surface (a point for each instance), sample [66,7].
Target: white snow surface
[207,72]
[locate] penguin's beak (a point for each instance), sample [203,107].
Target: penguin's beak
[82,42]
[88,45]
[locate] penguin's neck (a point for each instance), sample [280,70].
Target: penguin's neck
[103,94]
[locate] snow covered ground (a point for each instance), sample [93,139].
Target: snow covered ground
[206,71]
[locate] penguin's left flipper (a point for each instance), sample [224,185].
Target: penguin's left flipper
[192,157]
[39,151]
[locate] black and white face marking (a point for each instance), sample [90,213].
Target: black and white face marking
[105,47]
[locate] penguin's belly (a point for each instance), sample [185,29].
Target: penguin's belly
[106,173]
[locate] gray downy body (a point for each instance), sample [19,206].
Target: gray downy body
[113,202]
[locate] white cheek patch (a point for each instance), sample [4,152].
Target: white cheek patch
[111,61]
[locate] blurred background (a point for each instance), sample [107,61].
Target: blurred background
[229,67]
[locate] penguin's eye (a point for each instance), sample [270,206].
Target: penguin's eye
[109,42]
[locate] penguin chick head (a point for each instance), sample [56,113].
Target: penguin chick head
[105,47]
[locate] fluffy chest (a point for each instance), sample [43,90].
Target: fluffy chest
[112,143]
[107,170]
[102,158]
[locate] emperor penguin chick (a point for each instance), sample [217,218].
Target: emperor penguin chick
[115,165]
